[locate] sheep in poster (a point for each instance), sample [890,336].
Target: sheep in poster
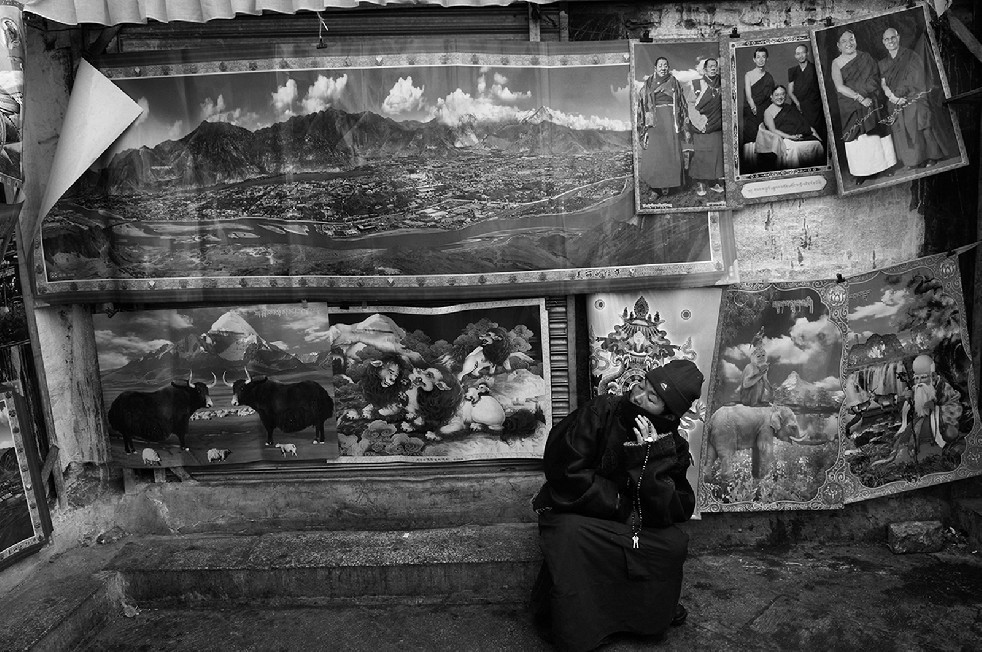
[151,457]
[218,454]
[154,416]
[291,407]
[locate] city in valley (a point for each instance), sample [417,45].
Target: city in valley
[396,193]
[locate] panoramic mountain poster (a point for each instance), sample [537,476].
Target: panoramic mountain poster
[217,386]
[24,523]
[383,170]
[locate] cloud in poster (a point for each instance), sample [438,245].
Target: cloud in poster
[890,303]
[404,97]
[284,98]
[324,92]
[730,371]
[806,344]
[116,351]
[314,327]
[144,104]
[622,94]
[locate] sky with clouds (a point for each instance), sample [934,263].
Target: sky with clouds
[804,342]
[6,436]
[594,96]
[878,306]
[129,336]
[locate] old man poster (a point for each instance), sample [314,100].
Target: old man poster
[910,394]
[217,386]
[772,435]
[884,91]
[445,384]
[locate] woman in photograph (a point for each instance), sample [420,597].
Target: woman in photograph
[662,122]
[801,145]
[758,84]
[869,149]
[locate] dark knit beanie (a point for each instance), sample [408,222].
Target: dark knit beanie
[678,382]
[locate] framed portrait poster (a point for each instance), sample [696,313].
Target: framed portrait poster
[884,89]
[11,90]
[24,520]
[775,137]
[677,115]
[382,170]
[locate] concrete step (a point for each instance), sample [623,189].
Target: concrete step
[468,564]
[63,601]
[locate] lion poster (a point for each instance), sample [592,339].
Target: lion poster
[445,384]
[772,435]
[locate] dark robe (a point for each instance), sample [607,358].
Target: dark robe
[660,158]
[760,92]
[914,135]
[593,581]
[790,120]
[806,90]
[707,157]
[861,75]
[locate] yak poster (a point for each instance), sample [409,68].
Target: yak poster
[630,333]
[445,384]
[772,436]
[383,171]
[910,395]
[217,386]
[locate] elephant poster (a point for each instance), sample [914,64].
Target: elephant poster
[772,436]
[217,386]
[910,414]
[631,332]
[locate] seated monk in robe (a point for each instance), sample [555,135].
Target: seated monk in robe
[801,144]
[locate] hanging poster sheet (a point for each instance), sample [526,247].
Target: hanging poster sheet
[217,386]
[11,90]
[884,89]
[776,137]
[678,126]
[772,437]
[383,170]
[447,384]
[630,333]
[910,395]
[21,496]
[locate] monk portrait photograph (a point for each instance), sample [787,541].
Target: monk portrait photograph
[678,126]
[779,123]
[884,92]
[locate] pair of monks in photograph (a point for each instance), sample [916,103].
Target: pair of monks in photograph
[673,119]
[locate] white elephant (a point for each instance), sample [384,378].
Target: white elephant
[738,427]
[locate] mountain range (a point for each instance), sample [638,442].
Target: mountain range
[229,346]
[217,153]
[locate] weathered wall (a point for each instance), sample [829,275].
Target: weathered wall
[786,240]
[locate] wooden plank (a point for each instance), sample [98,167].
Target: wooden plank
[130,482]
[160,475]
[965,35]
[182,473]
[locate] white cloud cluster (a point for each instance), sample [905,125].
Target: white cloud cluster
[889,304]
[144,104]
[284,97]
[115,351]
[324,92]
[808,342]
[404,98]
